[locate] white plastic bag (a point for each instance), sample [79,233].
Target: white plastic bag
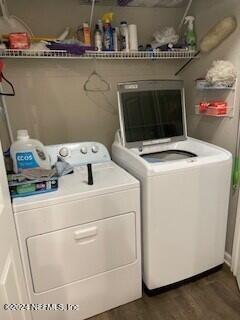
[165,36]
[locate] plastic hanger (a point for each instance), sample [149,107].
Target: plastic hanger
[104,82]
[86,87]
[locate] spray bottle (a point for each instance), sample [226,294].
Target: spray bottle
[190,35]
[108,32]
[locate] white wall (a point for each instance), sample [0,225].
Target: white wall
[52,105]
[222,132]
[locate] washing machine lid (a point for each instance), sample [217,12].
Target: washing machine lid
[107,177]
[152,112]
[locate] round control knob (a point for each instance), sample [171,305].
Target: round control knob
[95,149]
[64,152]
[84,150]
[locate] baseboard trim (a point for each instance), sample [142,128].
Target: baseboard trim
[228,259]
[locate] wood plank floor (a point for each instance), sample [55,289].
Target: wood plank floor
[215,297]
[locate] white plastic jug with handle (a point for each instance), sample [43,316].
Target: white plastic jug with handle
[28,153]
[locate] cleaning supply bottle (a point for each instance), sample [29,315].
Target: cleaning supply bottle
[28,153]
[100,26]
[190,35]
[86,34]
[124,36]
[107,32]
[98,38]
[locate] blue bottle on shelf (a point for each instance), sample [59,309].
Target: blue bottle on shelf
[108,43]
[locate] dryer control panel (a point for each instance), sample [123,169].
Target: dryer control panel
[79,153]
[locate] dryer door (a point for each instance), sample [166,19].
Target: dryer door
[72,254]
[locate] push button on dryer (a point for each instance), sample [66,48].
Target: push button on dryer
[84,150]
[95,149]
[64,152]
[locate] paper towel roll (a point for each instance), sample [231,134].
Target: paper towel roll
[133,38]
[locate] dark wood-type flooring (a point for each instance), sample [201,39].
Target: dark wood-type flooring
[215,297]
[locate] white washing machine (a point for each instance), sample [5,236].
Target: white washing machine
[80,245]
[185,183]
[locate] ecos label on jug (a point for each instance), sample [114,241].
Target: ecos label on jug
[28,153]
[25,160]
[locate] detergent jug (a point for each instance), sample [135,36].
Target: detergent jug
[28,153]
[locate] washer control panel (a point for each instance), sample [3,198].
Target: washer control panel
[80,153]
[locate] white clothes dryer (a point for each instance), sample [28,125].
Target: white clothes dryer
[80,245]
[185,183]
